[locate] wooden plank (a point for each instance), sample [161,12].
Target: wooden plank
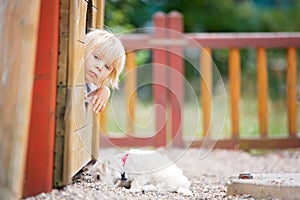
[159,72]
[100,4]
[220,40]
[62,61]
[59,135]
[18,38]
[81,114]
[291,78]
[247,144]
[96,118]
[262,91]
[39,166]
[61,99]
[76,64]
[130,91]
[94,21]
[77,22]
[242,40]
[103,120]
[100,14]
[96,131]
[206,88]
[79,151]
[176,64]
[74,160]
[234,89]
[64,18]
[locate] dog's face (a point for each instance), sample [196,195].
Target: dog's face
[123,183]
[109,171]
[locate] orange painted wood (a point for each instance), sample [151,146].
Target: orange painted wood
[39,164]
[262,91]
[234,89]
[159,73]
[103,120]
[99,24]
[130,91]
[176,64]
[129,141]
[291,78]
[18,35]
[206,88]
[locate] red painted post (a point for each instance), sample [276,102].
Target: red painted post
[176,76]
[160,80]
[40,154]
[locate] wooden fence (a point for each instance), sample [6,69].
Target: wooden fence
[167,45]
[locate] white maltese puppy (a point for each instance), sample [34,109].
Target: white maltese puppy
[142,170]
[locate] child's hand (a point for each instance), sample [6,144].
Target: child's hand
[99,98]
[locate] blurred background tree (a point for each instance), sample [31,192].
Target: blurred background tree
[213,16]
[208,15]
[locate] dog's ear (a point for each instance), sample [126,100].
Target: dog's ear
[103,167]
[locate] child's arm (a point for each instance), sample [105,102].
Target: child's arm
[99,98]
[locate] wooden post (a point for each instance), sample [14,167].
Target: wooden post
[235,87]
[78,126]
[61,97]
[18,36]
[291,78]
[100,24]
[99,120]
[130,93]
[100,13]
[160,80]
[206,88]
[176,77]
[39,163]
[262,89]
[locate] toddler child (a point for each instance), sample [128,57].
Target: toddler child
[104,60]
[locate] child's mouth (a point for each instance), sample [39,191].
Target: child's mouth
[94,74]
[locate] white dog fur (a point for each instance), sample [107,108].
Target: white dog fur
[147,170]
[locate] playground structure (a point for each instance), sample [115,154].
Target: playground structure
[167,44]
[44,122]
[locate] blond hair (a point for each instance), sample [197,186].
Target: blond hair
[112,52]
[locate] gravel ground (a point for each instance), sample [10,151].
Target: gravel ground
[208,175]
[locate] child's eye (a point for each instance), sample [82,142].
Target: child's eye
[107,67]
[96,57]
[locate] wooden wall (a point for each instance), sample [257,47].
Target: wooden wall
[76,134]
[18,36]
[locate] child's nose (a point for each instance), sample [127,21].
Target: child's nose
[98,68]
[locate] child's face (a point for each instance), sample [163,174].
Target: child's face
[96,70]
